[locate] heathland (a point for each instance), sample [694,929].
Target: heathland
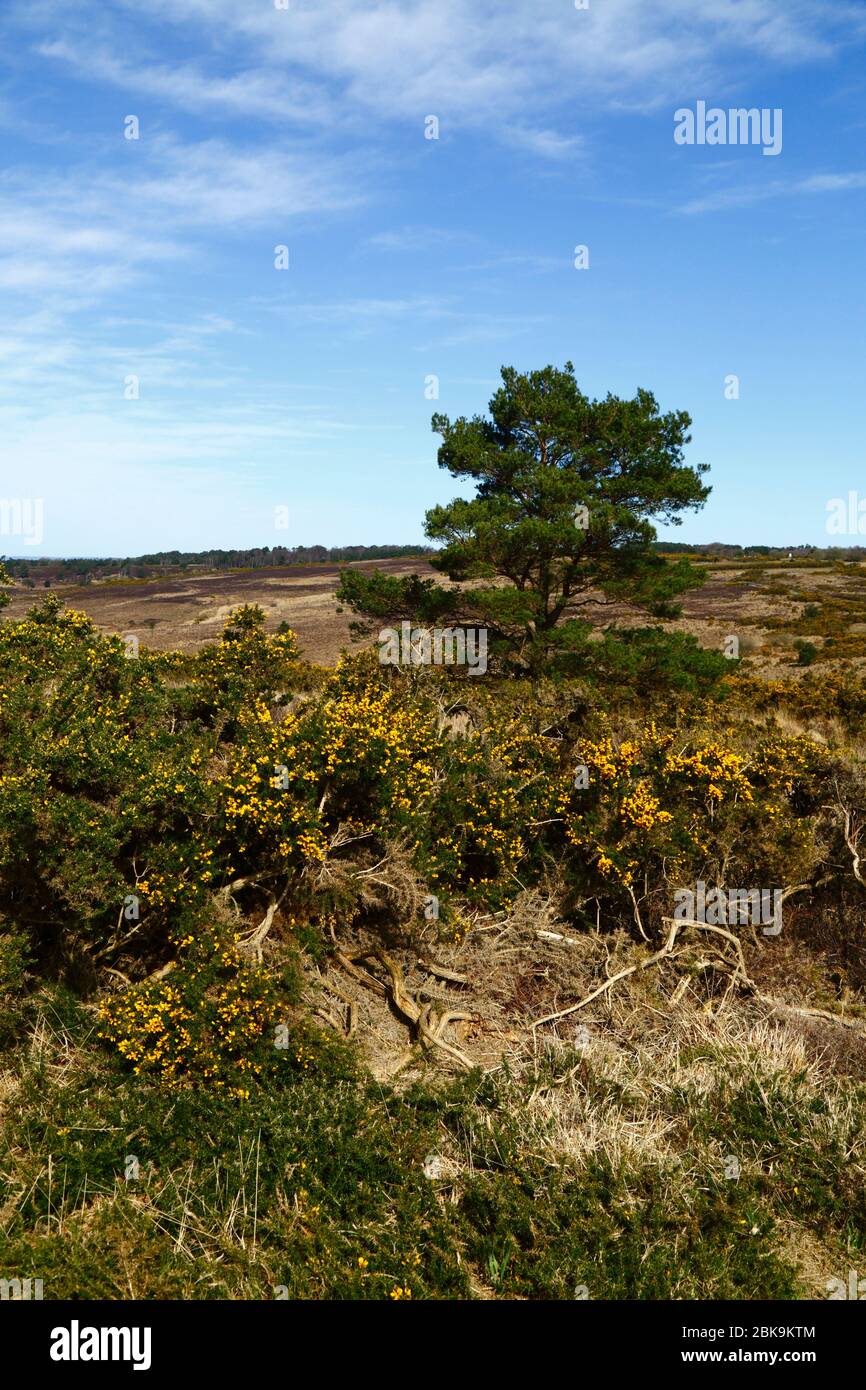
[328,978]
[420,1132]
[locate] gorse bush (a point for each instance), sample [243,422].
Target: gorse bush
[187,841]
[839,694]
[157,811]
[212,1020]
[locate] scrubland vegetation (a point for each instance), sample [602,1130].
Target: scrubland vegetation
[600,1166]
[340,983]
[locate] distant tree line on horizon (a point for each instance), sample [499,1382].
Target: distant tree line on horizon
[48,570]
[83,569]
[723,550]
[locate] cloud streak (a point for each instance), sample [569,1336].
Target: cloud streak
[738,197]
[506,65]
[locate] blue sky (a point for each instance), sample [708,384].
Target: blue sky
[409,257]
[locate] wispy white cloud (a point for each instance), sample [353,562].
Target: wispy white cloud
[256,92]
[547,144]
[831,183]
[745,195]
[213,183]
[89,229]
[418,238]
[521,261]
[507,65]
[450,321]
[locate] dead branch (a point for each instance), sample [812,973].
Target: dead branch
[608,984]
[441,973]
[253,941]
[851,831]
[739,976]
[228,889]
[779,1006]
[418,1016]
[363,976]
[636,912]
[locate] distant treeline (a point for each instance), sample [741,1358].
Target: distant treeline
[83,570]
[721,550]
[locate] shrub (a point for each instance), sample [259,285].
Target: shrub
[143,798]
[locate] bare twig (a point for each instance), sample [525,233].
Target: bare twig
[608,984]
[636,912]
[851,832]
